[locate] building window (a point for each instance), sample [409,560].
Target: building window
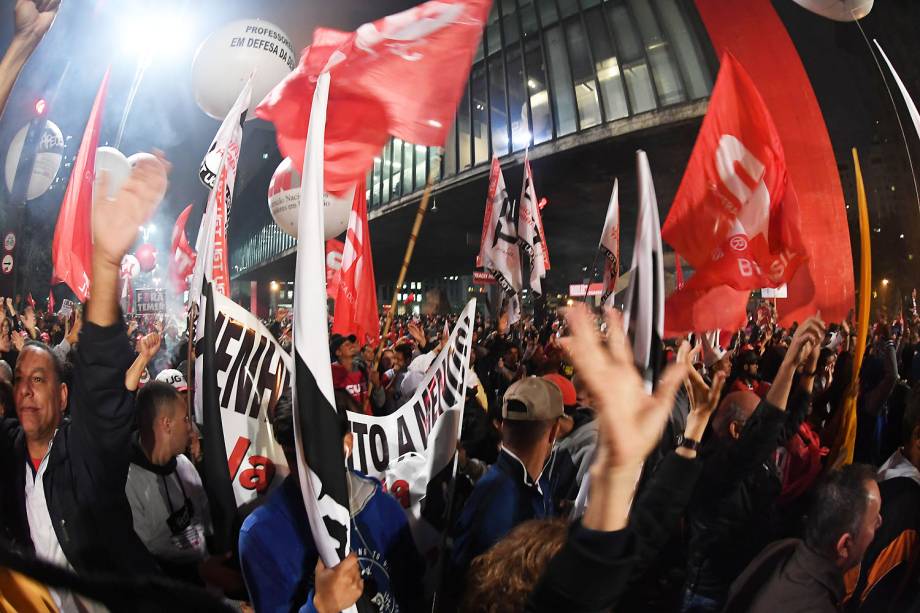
[667,80]
[480,110]
[562,92]
[541,122]
[499,114]
[589,111]
[686,47]
[607,67]
[632,57]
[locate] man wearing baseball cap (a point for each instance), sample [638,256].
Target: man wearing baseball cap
[514,489]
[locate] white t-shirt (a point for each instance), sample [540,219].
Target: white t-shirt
[159,503]
[44,538]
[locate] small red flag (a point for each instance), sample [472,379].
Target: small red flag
[72,249]
[30,300]
[356,299]
[402,75]
[735,215]
[182,262]
[334,251]
[50,301]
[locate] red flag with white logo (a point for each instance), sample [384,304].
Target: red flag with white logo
[182,261]
[356,299]
[402,75]
[334,251]
[72,249]
[735,216]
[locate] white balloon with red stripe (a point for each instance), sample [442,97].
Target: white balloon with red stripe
[284,203]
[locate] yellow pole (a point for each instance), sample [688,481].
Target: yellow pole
[845,433]
[413,236]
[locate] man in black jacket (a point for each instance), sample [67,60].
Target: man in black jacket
[730,515]
[68,474]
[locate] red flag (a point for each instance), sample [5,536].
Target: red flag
[356,299]
[30,300]
[72,249]
[334,250]
[50,302]
[401,75]
[182,262]
[735,216]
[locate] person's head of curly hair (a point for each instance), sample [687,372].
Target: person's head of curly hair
[501,579]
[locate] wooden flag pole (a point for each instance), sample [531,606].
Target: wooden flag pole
[413,236]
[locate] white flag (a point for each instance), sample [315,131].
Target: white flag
[643,317]
[219,168]
[610,245]
[320,456]
[499,252]
[908,101]
[530,231]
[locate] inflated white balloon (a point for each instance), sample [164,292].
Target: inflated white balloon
[226,58]
[284,203]
[47,159]
[137,157]
[838,10]
[113,162]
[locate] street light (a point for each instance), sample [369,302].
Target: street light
[885,282]
[274,285]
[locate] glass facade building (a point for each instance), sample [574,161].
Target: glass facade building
[546,69]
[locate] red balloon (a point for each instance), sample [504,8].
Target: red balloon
[146,255]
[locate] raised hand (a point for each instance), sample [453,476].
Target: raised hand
[630,420]
[416,332]
[149,345]
[703,398]
[34,17]
[117,220]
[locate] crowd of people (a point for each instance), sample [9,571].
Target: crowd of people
[716,482]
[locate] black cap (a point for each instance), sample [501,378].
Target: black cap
[336,340]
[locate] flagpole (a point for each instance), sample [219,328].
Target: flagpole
[592,273]
[413,236]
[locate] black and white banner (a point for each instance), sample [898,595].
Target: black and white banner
[610,245]
[499,252]
[643,315]
[252,371]
[530,231]
[320,453]
[222,160]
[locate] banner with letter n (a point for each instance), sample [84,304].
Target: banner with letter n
[408,448]
[251,371]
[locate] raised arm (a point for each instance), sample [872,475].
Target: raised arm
[148,347]
[33,19]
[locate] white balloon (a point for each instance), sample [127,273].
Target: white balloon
[226,58]
[115,164]
[284,203]
[137,157]
[130,266]
[838,10]
[47,159]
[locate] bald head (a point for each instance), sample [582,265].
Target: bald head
[733,412]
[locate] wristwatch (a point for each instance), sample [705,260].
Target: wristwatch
[689,443]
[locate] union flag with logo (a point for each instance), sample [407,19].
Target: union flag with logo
[735,216]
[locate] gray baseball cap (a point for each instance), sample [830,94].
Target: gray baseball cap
[532,399]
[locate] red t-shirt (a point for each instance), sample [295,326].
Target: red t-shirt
[352,381]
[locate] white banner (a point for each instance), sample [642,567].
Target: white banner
[252,372]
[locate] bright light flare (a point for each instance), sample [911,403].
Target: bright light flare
[150,36]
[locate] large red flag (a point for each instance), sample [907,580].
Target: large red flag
[356,299]
[182,259]
[735,216]
[72,249]
[401,75]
